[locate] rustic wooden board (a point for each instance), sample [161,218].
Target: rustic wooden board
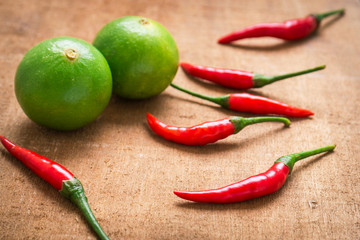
[129,173]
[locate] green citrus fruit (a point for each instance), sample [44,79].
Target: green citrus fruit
[142,55]
[63,83]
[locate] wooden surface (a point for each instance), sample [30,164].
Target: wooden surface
[129,173]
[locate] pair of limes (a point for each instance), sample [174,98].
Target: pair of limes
[65,83]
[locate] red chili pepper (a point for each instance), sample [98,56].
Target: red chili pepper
[288,30]
[255,186]
[245,102]
[238,79]
[59,177]
[207,132]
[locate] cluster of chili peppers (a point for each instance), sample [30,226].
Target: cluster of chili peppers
[209,132]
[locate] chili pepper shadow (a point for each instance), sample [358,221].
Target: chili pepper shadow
[57,142]
[205,104]
[282,45]
[122,111]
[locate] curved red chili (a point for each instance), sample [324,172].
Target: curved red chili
[208,132]
[256,186]
[238,79]
[289,30]
[245,102]
[59,177]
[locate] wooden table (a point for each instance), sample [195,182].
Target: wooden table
[129,173]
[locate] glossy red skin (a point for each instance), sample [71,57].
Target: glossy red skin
[289,30]
[236,79]
[45,168]
[201,134]
[252,187]
[244,102]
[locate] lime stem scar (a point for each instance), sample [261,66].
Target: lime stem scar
[70,53]
[144,21]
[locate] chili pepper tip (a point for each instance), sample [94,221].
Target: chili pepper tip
[180,194]
[195,196]
[185,66]
[7,143]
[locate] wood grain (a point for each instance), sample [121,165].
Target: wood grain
[129,173]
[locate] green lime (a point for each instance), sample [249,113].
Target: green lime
[142,55]
[63,83]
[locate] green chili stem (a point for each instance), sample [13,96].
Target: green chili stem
[291,159]
[73,190]
[240,122]
[262,80]
[222,101]
[321,16]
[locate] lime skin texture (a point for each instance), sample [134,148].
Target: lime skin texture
[142,55]
[63,83]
